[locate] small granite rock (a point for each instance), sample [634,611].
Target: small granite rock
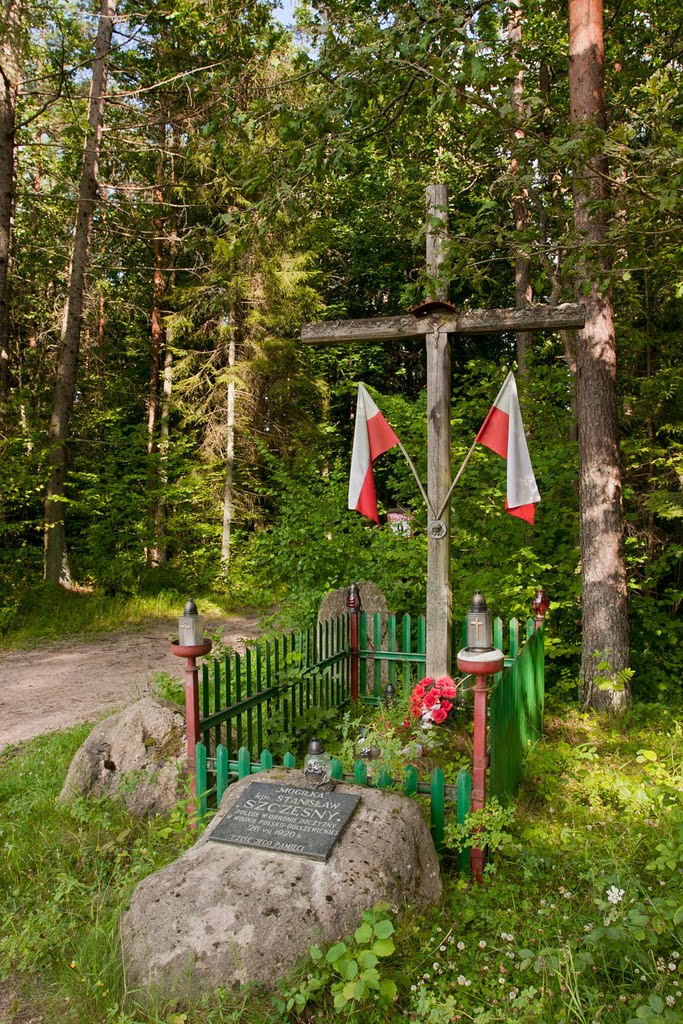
[137,754]
[227,915]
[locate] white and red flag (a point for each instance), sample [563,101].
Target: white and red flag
[503,432]
[372,436]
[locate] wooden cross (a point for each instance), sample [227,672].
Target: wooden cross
[434,321]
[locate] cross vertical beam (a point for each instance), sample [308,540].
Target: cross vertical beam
[439,597]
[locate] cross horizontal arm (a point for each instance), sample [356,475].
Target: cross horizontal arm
[567,316]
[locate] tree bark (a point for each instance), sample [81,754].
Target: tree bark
[228,493]
[520,200]
[157,334]
[605,644]
[56,569]
[164,442]
[9,91]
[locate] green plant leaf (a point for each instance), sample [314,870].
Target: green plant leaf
[383,929]
[367,959]
[334,952]
[363,934]
[387,990]
[383,947]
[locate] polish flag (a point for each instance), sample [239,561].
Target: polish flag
[503,432]
[372,436]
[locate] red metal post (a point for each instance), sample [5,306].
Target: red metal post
[192,714]
[192,726]
[479,766]
[353,608]
[480,664]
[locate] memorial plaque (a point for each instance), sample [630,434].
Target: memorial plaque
[286,819]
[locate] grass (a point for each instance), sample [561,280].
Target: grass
[580,918]
[51,613]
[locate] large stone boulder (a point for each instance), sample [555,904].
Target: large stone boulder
[226,915]
[372,601]
[137,755]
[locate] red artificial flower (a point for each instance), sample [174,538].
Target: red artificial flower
[446,705]
[448,687]
[430,699]
[439,715]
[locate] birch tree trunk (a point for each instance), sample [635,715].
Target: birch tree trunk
[9,91]
[228,497]
[605,650]
[56,568]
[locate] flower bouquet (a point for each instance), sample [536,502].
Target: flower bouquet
[432,700]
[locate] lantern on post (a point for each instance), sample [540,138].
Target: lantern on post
[479,625]
[318,766]
[190,626]
[539,605]
[480,659]
[191,645]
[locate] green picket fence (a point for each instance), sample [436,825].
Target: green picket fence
[263,696]
[214,775]
[266,696]
[516,715]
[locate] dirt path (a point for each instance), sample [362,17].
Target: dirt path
[59,684]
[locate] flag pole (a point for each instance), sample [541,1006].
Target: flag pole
[419,482]
[457,477]
[469,454]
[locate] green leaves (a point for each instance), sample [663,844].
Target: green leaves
[354,962]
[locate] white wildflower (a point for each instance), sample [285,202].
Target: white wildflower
[670,1000]
[615,895]
[482,943]
[461,946]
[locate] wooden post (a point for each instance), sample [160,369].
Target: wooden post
[353,608]
[438,447]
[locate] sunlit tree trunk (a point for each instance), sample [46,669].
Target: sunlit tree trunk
[56,567]
[164,442]
[157,333]
[605,651]
[228,490]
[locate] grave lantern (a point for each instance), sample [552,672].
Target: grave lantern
[318,765]
[479,625]
[539,604]
[190,626]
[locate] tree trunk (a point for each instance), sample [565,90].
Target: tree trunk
[56,563]
[605,650]
[164,440]
[520,200]
[9,90]
[158,341]
[228,498]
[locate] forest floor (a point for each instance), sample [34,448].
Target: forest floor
[56,685]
